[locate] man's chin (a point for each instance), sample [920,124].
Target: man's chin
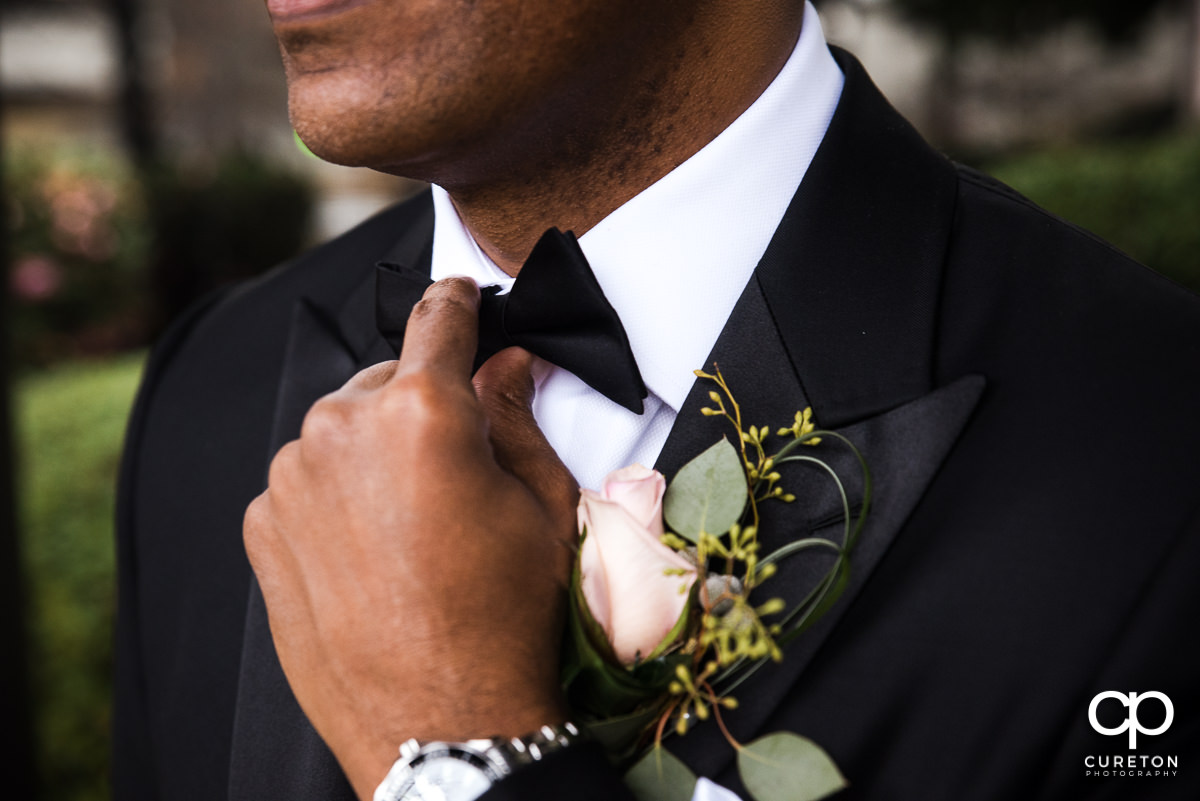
[351,140]
[338,121]
[335,148]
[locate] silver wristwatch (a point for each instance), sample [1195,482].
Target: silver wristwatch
[465,771]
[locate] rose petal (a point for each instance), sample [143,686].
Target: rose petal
[640,491]
[638,604]
[593,578]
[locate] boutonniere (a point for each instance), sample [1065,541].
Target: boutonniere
[671,609]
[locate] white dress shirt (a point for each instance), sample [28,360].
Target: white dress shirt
[673,261]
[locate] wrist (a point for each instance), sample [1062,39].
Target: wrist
[463,771]
[481,716]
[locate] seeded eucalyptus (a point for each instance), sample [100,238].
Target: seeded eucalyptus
[729,628]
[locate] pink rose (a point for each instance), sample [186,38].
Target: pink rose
[35,278]
[622,563]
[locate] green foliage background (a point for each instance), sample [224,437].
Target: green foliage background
[70,421]
[78,214]
[1141,195]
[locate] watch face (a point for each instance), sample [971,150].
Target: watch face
[448,775]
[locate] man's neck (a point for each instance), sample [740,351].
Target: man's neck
[572,168]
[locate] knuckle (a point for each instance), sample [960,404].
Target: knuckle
[417,394]
[421,405]
[257,524]
[376,375]
[283,465]
[326,421]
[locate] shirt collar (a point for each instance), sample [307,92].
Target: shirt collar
[674,259]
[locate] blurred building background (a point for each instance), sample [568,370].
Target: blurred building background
[147,158]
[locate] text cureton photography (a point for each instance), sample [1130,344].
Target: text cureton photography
[1130,765]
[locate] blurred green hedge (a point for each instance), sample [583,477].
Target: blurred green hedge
[1141,195]
[70,420]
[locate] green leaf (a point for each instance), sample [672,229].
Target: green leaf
[787,767]
[707,494]
[620,736]
[660,776]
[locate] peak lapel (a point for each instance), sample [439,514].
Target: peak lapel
[903,448]
[841,314]
[872,220]
[275,752]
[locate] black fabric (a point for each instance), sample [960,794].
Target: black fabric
[556,310]
[1025,394]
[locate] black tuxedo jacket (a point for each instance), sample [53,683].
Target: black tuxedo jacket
[1027,397]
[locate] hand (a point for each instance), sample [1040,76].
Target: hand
[414,547]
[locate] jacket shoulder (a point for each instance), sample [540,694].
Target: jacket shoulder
[981,195]
[1082,345]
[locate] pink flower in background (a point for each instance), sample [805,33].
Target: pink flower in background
[623,562]
[80,211]
[36,277]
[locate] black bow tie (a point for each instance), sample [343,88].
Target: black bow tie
[556,310]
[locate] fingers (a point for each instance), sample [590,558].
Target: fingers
[443,331]
[370,378]
[504,387]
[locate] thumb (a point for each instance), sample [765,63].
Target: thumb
[504,386]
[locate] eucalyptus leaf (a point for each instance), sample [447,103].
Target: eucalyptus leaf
[660,776]
[787,767]
[707,494]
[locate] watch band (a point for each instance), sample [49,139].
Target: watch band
[497,757]
[533,747]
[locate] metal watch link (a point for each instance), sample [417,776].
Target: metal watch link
[464,771]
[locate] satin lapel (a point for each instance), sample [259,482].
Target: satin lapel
[276,753]
[842,312]
[904,449]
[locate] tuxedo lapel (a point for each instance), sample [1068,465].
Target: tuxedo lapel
[853,275]
[903,448]
[276,753]
[840,315]
[357,318]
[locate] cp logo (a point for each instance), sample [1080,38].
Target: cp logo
[1131,723]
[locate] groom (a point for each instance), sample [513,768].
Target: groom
[1024,394]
